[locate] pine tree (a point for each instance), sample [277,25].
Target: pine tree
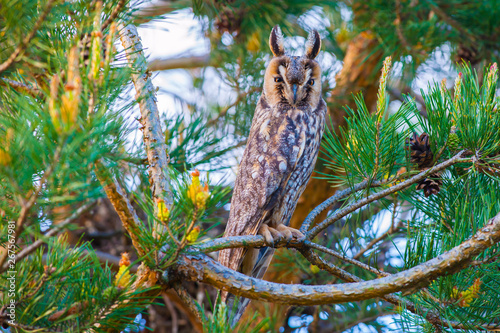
[97,231]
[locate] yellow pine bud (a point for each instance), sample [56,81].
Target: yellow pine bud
[253,44]
[96,54]
[123,277]
[314,269]
[163,212]
[458,93]
[466,297]
[5,157]
[109,51]
[442,88]
[196,193]
[492,76]
[71,99]
[193,235]
[381,100]
[54,112]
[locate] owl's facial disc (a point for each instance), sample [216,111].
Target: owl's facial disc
[295,79]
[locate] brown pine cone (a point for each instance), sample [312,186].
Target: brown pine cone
[430,185]
[420,150]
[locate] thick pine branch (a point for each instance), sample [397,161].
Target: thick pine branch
[122,205]
[154,140]
[199,267]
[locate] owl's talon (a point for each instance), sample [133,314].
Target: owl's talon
[277,236]
[285,231]
[282,232]
[265,231]
[290,232]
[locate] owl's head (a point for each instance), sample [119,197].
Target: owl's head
[293,80]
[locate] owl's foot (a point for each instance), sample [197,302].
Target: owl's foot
[281,232]
[290,232]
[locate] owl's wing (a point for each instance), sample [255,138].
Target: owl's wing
[274,146]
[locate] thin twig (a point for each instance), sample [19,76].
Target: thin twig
[173,313]
[378,239]
[188,300]
[23,87]
[224,111]
[339,195]
[114,14]
[55,230]
[24,43]
[453,23]
[351,208]
[28,204]
[344,258]
[122,205]
[181,62]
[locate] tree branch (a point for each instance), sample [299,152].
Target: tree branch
[117,8]
[154,140]
[55,230]
[187,300]
[22,87]
[24,43]
[451,22]
[158,8]
[27,203]
[122,205]
[339,195]
[202,268]
[183,62]
[431,316]
[363,202]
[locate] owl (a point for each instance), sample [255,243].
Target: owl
[279,157]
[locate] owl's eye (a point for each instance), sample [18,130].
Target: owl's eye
[311,82]
[278,79]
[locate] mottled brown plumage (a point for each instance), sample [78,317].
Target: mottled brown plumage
[280,155]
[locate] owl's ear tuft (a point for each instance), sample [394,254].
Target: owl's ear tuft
[276,42]
[313,44]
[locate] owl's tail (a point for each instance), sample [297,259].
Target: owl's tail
[258,271]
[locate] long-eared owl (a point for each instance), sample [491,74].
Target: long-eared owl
[279,157]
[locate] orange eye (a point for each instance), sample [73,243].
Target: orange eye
[311,82]
[278,79]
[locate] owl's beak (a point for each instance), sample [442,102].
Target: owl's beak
[294,89]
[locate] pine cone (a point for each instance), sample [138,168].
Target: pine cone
[430,185]
[228,20]
[420,150]
[453,142]
[468,53]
